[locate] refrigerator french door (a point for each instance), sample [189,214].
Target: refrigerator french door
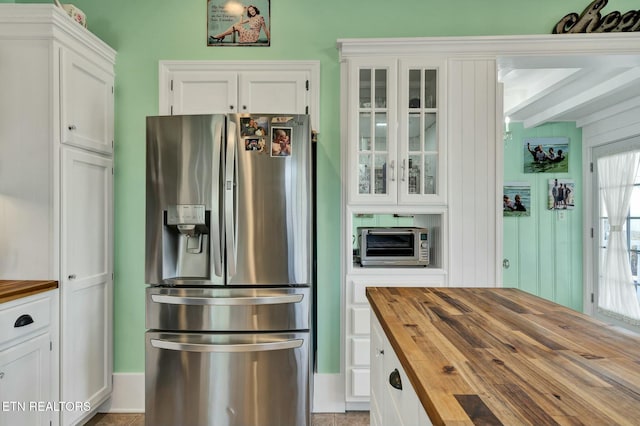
[229,264]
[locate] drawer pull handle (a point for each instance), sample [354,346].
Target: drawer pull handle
[394,379]
[23,320]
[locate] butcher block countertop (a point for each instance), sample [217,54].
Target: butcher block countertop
[15,289]
[502,356]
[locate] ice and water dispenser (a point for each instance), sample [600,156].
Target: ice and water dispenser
[185,242]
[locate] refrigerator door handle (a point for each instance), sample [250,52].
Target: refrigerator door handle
[229,199]
[243,347]
[227,301]
[216,241]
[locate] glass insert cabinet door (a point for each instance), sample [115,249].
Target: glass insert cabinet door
[376,152]
[419,153]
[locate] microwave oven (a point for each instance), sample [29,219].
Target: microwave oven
[393,246]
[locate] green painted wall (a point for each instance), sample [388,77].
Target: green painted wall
[545,248]
[146,31]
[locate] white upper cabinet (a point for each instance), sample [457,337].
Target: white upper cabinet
[86,103]
[213,88]
[395,132]
[204,92]
[421,132]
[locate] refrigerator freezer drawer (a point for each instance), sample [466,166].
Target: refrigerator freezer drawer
[227,379]
[217,309]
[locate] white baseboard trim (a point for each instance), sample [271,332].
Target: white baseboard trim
[328,393]
[128,394]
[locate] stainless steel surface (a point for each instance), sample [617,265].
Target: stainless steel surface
[393,246]
[234,347]
[228,309]
[229,257]
[230,199]
[203,379]
[258,208]
[273,241]
[183,165]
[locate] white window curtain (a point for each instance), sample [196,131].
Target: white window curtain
[617,294]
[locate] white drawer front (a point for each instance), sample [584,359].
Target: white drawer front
[360,318]
[360,381]
[360,352]
[33,315]
[359,292]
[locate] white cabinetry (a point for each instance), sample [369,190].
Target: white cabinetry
[28,352]
[421,147]
[214,87]
[395,148]
[56,214]
[358,334]
[393,399]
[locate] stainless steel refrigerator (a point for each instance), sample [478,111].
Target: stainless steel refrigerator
[229,264]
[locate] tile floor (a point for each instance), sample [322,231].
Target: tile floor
[353,418]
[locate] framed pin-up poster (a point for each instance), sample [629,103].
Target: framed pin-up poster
[232,23]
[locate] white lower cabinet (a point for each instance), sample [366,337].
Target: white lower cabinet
[28,352]
[359,334]
[393,399]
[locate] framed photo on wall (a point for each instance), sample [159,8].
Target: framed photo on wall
[516,199]
[546,155]
[232,23]
[561,194]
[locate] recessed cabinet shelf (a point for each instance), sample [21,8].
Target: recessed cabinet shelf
[433,222]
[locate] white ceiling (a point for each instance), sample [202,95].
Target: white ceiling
[546,89]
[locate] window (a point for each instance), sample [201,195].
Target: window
[631,230]
[617,177]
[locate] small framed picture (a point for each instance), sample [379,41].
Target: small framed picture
[546,155]
[516,199]
[561,194]
[281,143]
[232,23]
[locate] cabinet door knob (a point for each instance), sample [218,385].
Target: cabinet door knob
[244,107]
[394,379]
[72,277]
[231,107]
[72,127]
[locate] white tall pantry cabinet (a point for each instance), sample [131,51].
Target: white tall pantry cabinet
[56,185]
[421,146]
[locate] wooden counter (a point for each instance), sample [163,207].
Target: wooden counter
[503,356]
[11,290]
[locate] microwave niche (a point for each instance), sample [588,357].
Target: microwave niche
[393,246]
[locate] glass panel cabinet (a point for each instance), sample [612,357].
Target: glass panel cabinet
[373,131]
[396,151]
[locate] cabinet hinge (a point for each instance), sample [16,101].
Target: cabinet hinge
[306,110]
[591,297]
[50,345]
[171,86]
[171,113]
[306,85]
[591,167]
[112,90]
[591,232]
